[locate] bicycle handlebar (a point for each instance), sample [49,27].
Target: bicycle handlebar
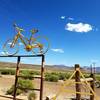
[18,28]
[21,30]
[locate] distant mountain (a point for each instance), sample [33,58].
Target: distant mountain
[61,67]
[97,69]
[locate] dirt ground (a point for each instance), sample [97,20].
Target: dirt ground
[50,89]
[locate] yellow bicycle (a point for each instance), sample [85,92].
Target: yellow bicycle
[36,45]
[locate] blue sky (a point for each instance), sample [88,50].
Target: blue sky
[72,26]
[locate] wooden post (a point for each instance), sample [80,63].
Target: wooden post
[16,78]
[42,79]
[77,79]
[92,86]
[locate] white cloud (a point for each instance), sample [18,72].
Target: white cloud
[18,43]
[58,50]
[3,53]
[79,27]
[70,18]
[62,17]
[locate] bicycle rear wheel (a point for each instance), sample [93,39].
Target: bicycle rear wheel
[40,44]
[8,50]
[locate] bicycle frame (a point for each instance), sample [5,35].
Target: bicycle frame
[19,35]
[16,39]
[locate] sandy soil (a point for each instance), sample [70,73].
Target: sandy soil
[50,88]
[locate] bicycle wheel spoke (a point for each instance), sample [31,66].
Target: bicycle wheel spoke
[41,45]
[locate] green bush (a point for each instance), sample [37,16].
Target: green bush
[55,76]
[11,91]
[98,77]
[22,72]
[86,75]
[51,77]
[26,74]
[7,71]
[64,76]
[30,72]
[35,72]
[24,86]
[32,96]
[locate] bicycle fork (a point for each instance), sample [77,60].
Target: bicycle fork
[14,41]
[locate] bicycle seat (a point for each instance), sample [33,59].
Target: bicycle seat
[34,31]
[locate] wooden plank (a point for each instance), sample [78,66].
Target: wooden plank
[87,79]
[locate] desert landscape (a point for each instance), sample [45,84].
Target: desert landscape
[50,40]
[50,88]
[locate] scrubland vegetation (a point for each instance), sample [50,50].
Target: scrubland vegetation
[26,85]
[49,76]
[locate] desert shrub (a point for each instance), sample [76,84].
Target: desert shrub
[51,77]
[27,74]
[24,86]
[47,75]
[30,72]
[11,91]
[35,72]
[12,72]
[67,75]
[32,96]
[98,77]
[54,73]
[86,75]
[7,71]
[55,76]
[24,72]
[62,76]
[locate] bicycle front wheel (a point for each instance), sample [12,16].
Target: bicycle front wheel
[40,45]
[8,50]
